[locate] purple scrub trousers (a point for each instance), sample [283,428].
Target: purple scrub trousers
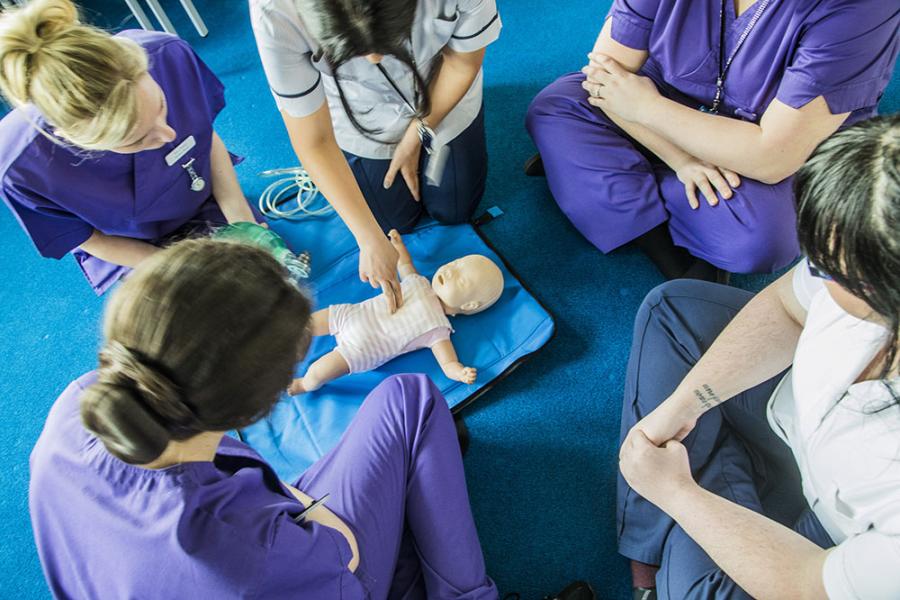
[225,528]
[614,191]
[793,52]
[396,477]
[732,451]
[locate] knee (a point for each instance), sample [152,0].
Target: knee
[411,394]
[558,98]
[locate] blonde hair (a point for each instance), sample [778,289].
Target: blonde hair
[79,77]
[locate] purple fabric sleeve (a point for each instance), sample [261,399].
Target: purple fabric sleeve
[846,54]
[54,231]
[213,89]
[632,21]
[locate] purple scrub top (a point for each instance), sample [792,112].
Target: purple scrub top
[223,529]
[844,50]
[60,194]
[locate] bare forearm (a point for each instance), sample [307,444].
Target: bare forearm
[668,152]
[124,251]
[454,79]
[758,344]
[731,143]
[225,186]
[765,558]
[320,155]
[323,516]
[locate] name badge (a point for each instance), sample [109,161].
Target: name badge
[183,148]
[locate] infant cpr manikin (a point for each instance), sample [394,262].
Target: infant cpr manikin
[368,335]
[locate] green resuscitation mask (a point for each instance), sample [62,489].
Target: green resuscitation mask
[262,237]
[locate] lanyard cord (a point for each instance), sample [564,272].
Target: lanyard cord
[725,65]
[426,133]
[394,85]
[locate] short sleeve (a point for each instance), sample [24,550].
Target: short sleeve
[632,21]
[845,54]
[53,230]
[175,64]
[477,26]
[864,567]
[286,57]
[805,285]
[309,560]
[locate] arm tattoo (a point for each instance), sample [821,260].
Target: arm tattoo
[707,397]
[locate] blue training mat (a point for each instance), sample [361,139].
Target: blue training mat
[301,429]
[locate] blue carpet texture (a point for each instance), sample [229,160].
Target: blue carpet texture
[541,467]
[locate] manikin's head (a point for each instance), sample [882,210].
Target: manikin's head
[468,285]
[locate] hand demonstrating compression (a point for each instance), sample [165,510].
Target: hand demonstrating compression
[378,266]
[696,175]
[406,161]
[613,88]
[657,473]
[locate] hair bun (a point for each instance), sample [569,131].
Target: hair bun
[46,18]
[121,366]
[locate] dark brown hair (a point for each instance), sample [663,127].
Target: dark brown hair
[203,336]
[848,216]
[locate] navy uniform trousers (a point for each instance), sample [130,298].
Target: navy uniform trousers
[452,202]
[733,452]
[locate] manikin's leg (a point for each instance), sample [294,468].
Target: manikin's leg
[327,368]
[396,477]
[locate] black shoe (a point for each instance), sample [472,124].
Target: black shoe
[643,594]
[462,434]
[577,590]
[534,166]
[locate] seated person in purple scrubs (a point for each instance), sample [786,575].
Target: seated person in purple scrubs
[760,453]
[111,148]
[133,476]
[684,130]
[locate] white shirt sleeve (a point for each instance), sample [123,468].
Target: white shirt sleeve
[286,57]
[805,284]
[477,25]
[864,567]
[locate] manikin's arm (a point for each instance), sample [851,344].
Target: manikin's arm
[445,354]
[405,264]
[118,250]
[225,187]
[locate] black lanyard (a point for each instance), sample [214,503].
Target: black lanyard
[725,65]
[426,133]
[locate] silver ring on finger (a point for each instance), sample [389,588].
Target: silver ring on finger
[595,92]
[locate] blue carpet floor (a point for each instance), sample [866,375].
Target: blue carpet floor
[541,467]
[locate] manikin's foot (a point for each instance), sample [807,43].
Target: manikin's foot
[296,388]
[301,385]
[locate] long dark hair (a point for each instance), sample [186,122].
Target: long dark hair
[203,336]
[346,29]
[848,217]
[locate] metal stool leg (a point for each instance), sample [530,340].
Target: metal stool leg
[162,17]
[196,19]
[139,14]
